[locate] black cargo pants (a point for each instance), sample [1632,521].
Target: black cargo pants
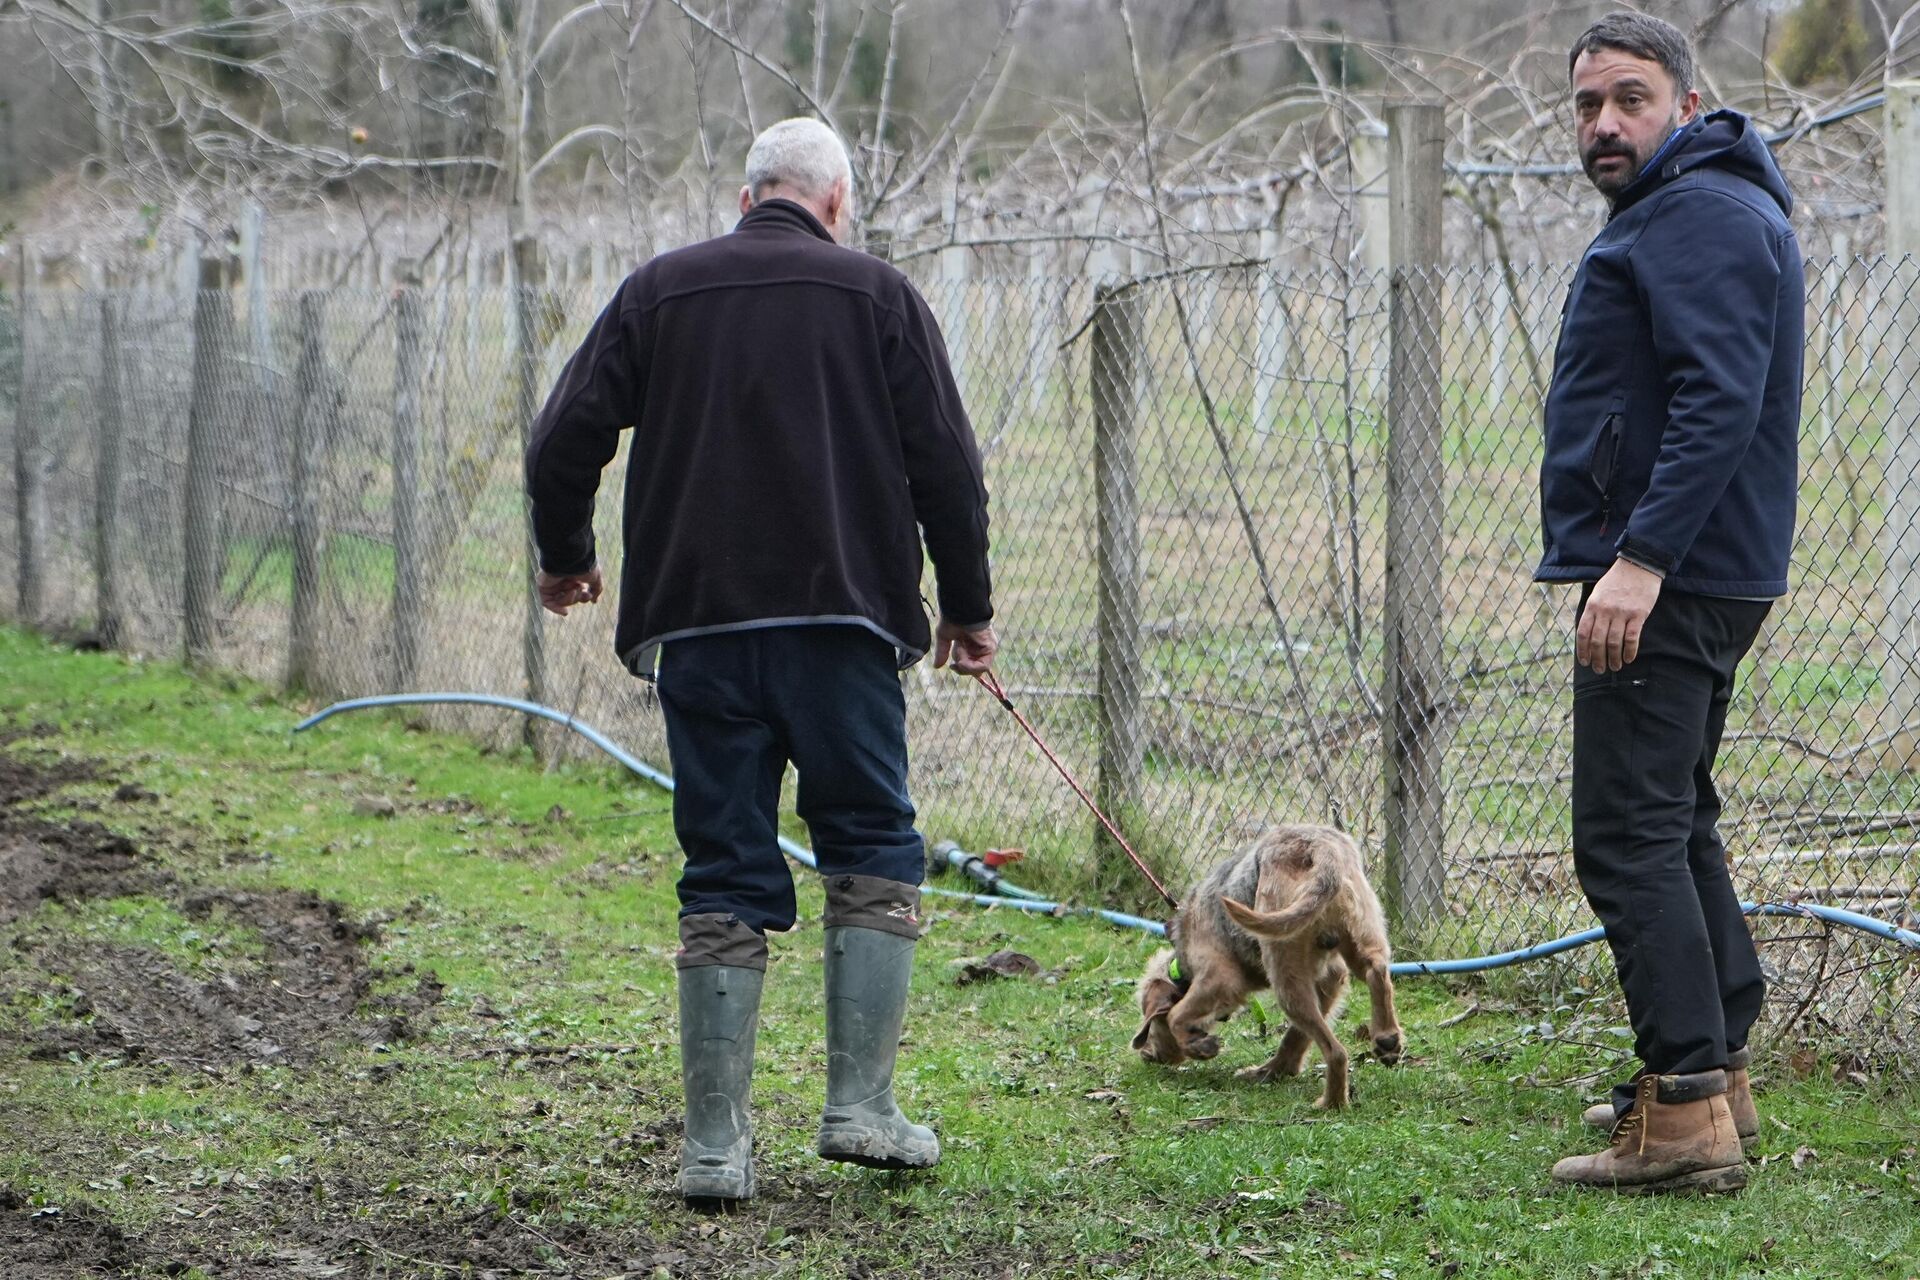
[1645,843]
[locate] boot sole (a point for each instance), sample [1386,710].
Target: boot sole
[714,1206]
[859,1148]
[1700,1182]
[873,1162]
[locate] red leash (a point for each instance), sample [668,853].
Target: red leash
[991,683]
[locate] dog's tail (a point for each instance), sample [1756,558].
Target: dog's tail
[1297,915]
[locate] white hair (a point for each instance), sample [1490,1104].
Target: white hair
[800,153]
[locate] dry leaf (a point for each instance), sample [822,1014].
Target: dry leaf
[1803,1154]
[1001,964]
[1106,1095]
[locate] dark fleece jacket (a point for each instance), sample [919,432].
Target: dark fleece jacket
[794,420]
[1672,425]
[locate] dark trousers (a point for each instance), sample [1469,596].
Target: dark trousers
[1645,844]
[739,705]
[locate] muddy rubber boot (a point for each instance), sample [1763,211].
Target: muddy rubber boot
[719,1019]
[1746,1120]
[872,925]
[1678,1137]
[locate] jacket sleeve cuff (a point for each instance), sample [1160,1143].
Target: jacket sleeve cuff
[1640,552]
[568,563]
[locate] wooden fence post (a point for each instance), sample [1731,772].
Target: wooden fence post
[1413,737]
[312,428]
[527,276]
[204,556]
[30,497]
[1116,498]
[1899,713]
[409,576]
[109,620]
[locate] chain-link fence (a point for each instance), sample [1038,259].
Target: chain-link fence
[1215,497]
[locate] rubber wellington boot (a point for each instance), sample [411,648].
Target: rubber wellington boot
[1746,1119]
[867,975]
[719,1017]
[1678,1136]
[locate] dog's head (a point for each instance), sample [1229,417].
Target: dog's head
[1158,994]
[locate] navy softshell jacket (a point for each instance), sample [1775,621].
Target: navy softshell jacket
[1673,420]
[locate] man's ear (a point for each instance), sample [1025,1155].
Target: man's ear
[746,199]
[1690,108]
[839,210]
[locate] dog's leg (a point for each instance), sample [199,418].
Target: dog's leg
[1189,1022]
[1383,1024]
[1286,1060]
[1291,1056]
[1301,999]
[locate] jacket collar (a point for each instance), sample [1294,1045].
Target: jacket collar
[1661,168]
[781,215]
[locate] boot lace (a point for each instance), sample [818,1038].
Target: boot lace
[1625,1129]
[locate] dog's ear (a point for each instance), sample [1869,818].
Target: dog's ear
[1157,998]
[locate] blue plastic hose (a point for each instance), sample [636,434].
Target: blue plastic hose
[1013,897]
[1023,901]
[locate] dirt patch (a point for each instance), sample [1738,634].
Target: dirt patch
[308,988]
[60,1243]
[311,990]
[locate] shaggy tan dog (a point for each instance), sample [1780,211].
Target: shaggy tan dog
[1313,919]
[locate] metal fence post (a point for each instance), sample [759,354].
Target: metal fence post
[1270,324]
[108,617]
[311,430]
[1415,624]
[1043,328]
[212,338]
[956,321]
[409,577]
[1116,358]
[526,266]
[1899,717]
[30,499]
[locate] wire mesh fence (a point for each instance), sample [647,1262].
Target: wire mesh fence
[1262,552]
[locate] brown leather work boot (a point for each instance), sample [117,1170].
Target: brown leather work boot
[1678,1137]
[1746,1120]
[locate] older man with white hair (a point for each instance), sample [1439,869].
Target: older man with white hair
[794,419]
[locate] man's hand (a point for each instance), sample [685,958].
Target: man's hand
[560,592]
[1609,634]
[972,650]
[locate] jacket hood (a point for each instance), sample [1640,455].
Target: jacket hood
[1725,140]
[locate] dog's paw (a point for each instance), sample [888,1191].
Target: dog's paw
[1387,1049]
[1333,1101]
[1265,1073]
[1201,1048]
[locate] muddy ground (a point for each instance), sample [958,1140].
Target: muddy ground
[305,1000]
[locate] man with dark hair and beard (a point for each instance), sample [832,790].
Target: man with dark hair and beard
[1667,496]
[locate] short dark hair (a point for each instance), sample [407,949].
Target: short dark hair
[1643,36]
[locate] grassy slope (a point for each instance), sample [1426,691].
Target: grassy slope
[551,932]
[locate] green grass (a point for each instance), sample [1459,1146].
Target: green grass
[261,568]
[1065,1154]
